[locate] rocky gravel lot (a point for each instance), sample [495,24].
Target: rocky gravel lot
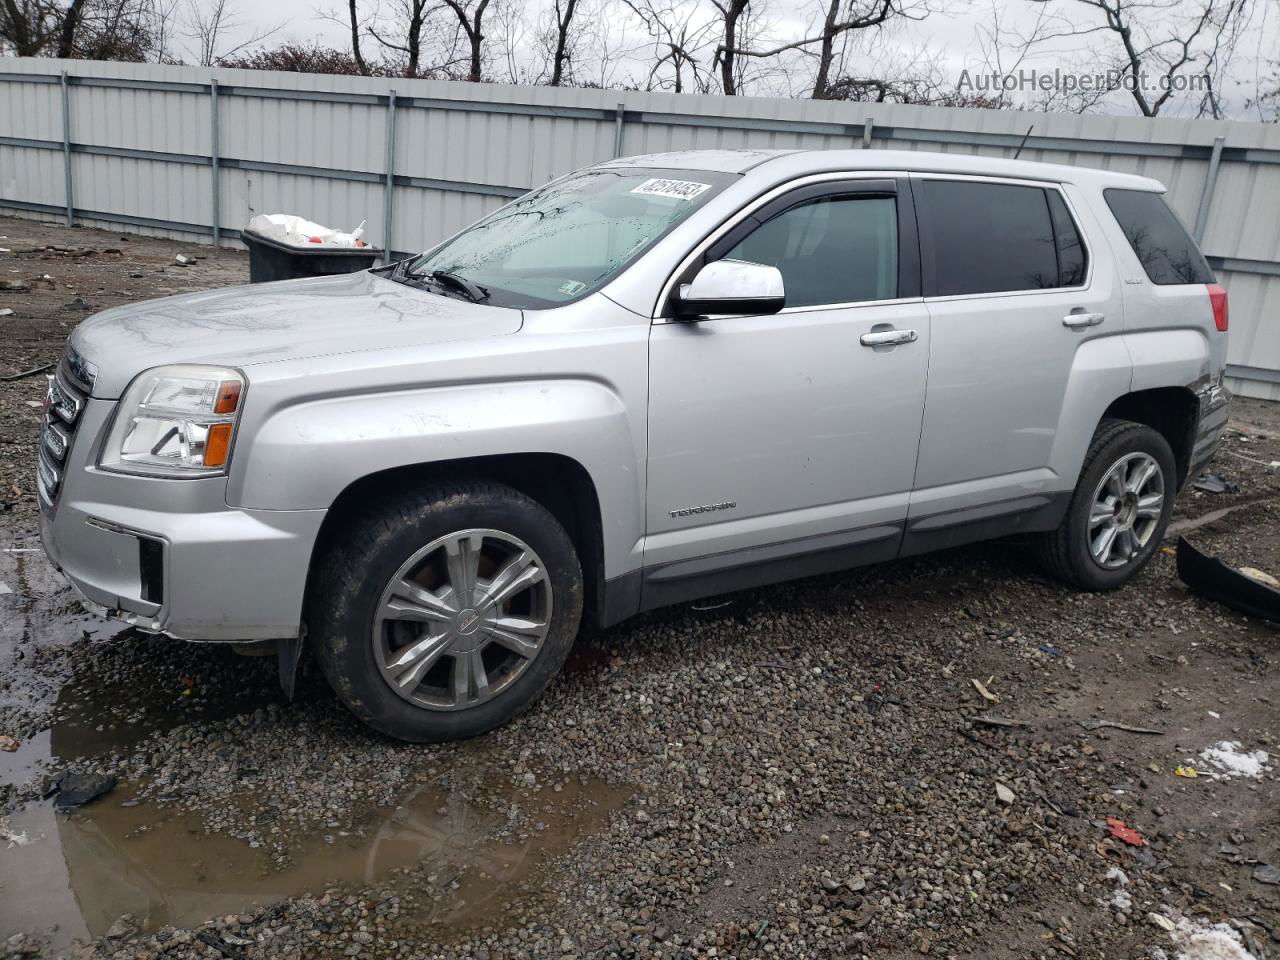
[805,771]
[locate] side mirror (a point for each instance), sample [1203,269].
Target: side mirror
[731,286]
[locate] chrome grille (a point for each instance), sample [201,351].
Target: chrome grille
[64,403]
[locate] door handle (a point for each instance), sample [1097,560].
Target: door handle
[888,338]
[1078,320]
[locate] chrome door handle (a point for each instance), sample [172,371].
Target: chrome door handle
[888,338]
[1083,319]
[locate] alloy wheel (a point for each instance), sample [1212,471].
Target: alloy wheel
[1126,510]
[462,619]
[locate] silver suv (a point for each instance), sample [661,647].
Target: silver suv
[649,381]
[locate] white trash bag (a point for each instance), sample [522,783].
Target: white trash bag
[297,232]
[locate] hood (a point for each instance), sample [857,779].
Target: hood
[243,326]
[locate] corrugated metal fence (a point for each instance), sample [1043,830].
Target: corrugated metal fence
[160,148]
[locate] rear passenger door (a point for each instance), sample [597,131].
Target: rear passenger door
[1016,292]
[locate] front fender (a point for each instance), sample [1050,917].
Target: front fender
[304,454]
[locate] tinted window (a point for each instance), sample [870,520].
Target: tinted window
[1072,260]
[1167,254]
[990,237]
[830,250]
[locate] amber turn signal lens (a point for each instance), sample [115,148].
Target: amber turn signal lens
[228,397]
[217,446]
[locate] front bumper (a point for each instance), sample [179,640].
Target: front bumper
[1215,408]
[169,555]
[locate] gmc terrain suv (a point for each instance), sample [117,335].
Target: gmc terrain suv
[651,380]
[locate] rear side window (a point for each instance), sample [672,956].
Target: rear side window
[999,237]
[1166,251]
[830,250]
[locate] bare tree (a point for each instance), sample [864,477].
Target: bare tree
[208,26]
[401,32]
[356,55]
[839,19]
[1161,47]
[562,12]
[678,39]
[32,28]
[470,14]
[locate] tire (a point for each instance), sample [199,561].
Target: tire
[414,656]
[1068,553]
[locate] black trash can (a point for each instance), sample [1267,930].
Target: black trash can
[272,260]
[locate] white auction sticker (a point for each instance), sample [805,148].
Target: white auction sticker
[677,189]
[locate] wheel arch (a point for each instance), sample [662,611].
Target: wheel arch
[559,483]
[1171,411]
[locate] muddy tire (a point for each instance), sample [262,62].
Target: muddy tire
[1119,509]
[445,611]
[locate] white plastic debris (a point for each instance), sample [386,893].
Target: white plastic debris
[1200,941]
[13,838]
[4,588]
[1229,759]
[298,232]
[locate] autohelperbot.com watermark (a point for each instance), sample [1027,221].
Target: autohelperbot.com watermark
[1066,81]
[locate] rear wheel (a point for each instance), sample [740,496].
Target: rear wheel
[1119,510]
[448,611]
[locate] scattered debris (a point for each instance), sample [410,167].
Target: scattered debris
[1113,725]
[1231,761]
[987,695]
[5,588]
[1121,831]
[1267,873]
[1004,794]
[11,837]
[7,743]
[1201,941]
[1212,483]
[15,286]
[6,312]
[26,373]
[1161,921]
[990,721]
[1217,581]
[1189,772]
[182,261]
[77,789]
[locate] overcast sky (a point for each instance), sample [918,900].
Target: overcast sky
[946,42]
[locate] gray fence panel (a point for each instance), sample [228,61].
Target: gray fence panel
[141,140]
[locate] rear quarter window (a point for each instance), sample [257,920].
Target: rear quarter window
[1164,248]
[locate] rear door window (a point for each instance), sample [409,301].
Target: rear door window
[1165,250]
[998,237]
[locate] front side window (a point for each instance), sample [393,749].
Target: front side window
[567,239]
[1167,253]
[837,249]
[1000,237]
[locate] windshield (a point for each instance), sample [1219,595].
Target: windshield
[566,239]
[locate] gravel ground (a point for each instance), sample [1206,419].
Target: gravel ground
[795,772]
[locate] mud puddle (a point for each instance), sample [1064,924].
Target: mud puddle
[72,876]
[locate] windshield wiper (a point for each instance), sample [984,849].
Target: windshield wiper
[473,290]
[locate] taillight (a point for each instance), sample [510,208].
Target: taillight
[1218,297]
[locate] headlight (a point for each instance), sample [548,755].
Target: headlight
[175,421]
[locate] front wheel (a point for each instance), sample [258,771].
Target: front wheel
[446,612]
[1119,509]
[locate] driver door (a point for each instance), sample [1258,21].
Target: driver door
[785,445]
